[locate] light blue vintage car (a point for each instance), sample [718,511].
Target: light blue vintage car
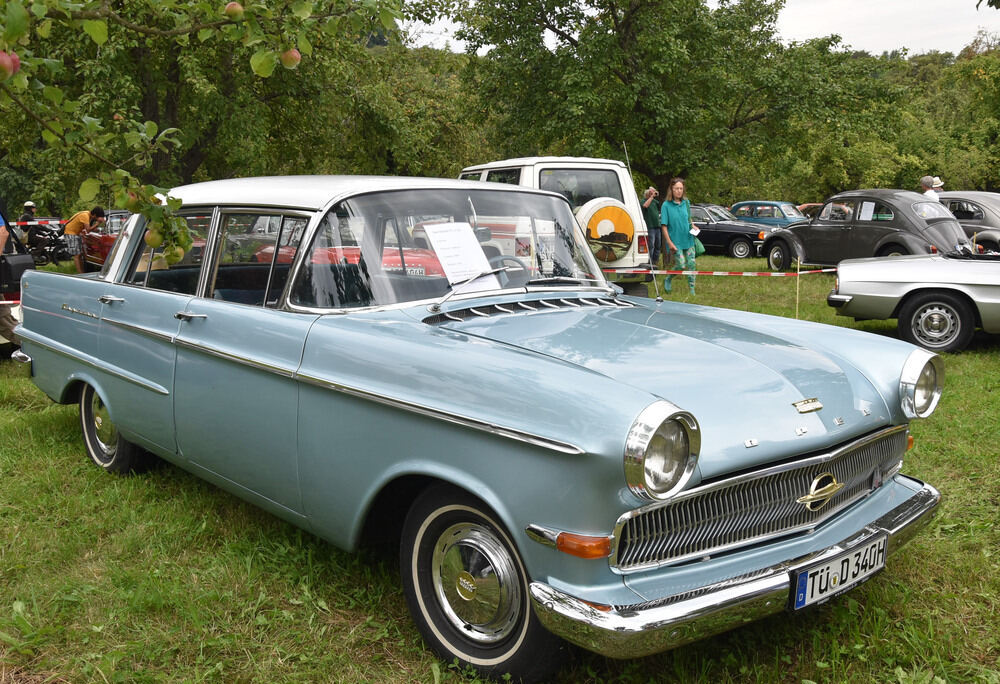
[444,360]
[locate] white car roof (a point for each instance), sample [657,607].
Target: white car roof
[531,161]
[308,192]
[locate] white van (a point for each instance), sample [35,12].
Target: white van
[603,198]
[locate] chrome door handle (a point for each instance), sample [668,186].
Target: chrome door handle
[108,299]
[185,316]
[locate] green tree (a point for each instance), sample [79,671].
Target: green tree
[123,92]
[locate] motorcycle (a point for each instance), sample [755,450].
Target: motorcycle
[46,245]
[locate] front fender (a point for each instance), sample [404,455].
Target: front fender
[786,236]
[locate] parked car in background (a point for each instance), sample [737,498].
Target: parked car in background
[604,201]
[938,300]
[722,233]
[978,213]
[97,243]
[544,484]
[810,209]
[867,223]
[771,213]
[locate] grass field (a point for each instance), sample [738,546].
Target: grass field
[163,578]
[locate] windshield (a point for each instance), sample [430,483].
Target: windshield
[410,245]
[792,211]
[721,213]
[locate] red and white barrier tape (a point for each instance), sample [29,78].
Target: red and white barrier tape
[766,274]
[38,223]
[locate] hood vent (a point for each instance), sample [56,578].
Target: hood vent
[526,307]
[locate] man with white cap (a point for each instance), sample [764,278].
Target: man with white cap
[938,185]
[28,215]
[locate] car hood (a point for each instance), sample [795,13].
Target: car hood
[740,381]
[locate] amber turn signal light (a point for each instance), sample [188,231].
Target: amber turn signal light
[582,546]
[909,442]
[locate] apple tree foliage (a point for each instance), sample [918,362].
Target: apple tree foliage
[136,94]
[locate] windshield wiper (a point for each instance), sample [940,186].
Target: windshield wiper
[455,287]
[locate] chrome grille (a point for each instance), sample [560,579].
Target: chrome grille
[753,507]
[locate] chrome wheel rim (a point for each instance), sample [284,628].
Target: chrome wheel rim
[103,431]
[741,249]
[476,583]
[936,325]
[775,257]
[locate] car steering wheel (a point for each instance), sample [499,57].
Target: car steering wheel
[517,276]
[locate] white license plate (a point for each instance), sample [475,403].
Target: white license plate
[819,582]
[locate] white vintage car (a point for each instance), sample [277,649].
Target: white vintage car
[938,300]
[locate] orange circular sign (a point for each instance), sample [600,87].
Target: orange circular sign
[608,220]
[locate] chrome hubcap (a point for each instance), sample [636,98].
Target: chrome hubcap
[476,582]
[936,325]
[741,249]
[105,433]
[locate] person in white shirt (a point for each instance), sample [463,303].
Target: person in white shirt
[927,183]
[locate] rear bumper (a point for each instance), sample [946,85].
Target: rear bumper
[634,631]
[838,300]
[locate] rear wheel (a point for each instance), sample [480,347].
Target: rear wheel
[467,588]
[740,248]
[892,250]
[937,321]
[105,446]
[779,257]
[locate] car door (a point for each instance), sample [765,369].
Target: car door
[823,236]
[710,235]
[236,399]
[875,225]
[138,331]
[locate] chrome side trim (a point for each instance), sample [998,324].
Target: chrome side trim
[235,358]
[71,353]
[465,421]
[545,536]
[642,629]
[145,332]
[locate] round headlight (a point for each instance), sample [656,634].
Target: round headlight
[661,451]
[920,383]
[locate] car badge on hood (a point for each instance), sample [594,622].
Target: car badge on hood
[808,405]
[822,489]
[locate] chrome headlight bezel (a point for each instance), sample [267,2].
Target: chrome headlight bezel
[661,418]
[920,383]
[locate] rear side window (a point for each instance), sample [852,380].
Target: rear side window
[509,176]
[965,211]
[470,175]
[875,211]
[745,210]
[580,186]
[699,214]
[153,269]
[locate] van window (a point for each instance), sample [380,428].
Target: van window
[509,176]
[580,186]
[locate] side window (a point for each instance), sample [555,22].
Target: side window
[579,186]
[173,272]
[699,214]
[255,252]
[509,176]
[470,175]
[745,211]
[838,211]
[334,275]
[765,212]
[875,211]
[965,211]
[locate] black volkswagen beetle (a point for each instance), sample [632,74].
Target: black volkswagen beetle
[724,233]
[867,223]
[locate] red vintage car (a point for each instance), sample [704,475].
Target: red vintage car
[97,243]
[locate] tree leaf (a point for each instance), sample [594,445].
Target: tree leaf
[97,30]
[17,21]
[263,62]
[89,189]
[302,9]
[205,34]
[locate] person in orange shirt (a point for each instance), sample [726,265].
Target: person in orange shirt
[81,222]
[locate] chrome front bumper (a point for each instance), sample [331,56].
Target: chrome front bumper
[635,631]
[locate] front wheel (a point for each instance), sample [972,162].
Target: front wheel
[778,256]
[105,446]
[740,248]
[937,321]
[467,589]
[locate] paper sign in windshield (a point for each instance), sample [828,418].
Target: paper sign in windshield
[460,255]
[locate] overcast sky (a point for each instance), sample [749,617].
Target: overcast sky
[872,25]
